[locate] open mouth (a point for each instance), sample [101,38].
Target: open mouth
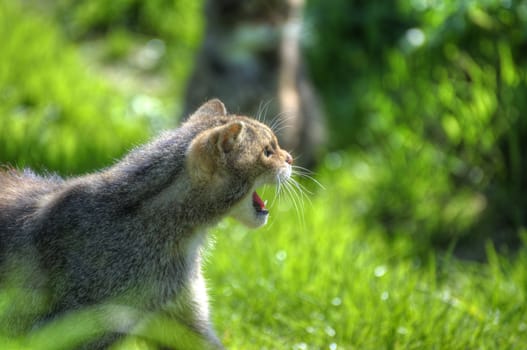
[259,205]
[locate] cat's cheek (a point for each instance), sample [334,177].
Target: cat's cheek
[245,213]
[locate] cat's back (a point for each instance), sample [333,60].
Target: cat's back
[20,193]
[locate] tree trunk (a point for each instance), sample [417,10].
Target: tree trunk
[251,60]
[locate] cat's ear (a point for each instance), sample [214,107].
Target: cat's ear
[207,151]
[227,136]
[211,108]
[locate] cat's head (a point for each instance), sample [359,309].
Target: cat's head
[236,147]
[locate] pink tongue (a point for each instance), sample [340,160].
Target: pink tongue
[257,201]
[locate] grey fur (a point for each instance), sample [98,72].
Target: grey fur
[127,235]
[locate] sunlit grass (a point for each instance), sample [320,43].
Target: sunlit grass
[337,283]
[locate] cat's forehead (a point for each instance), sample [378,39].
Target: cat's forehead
[262,130]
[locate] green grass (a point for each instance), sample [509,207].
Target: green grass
[334,282]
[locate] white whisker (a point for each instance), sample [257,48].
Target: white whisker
[302,169]
[280,125]
[294,197]
[302,189]
[279,121]
[281,128]
[299,196]
[306,173]
[259,112]
[302,192]
[263,108]
[278,191]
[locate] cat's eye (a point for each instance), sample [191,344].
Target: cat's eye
[268,152]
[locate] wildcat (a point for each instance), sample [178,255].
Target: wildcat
[131,235]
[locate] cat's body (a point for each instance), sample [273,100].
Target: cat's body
[132,234]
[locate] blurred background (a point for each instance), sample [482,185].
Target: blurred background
[411,111]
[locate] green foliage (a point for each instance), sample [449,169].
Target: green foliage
[173,20]
[430,92]
[127,25]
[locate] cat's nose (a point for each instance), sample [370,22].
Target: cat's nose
[288,158]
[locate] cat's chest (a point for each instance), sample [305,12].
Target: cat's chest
[174,273]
